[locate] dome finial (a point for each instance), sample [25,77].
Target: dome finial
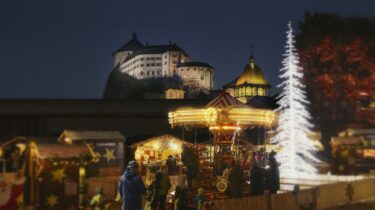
[251,58]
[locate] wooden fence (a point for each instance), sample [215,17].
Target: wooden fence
[319,197]
[109,184]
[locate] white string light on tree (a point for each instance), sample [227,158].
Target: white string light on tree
[296,156]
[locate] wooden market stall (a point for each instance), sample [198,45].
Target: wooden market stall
[108,147]
[158,149]
[48,175]
[61,172]
[353,151]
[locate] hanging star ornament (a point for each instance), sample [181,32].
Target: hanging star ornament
[19,199]
[52,200]
[58,175]
[109,154]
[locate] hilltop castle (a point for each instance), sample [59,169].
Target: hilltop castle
[163,61]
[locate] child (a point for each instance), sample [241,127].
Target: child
[97,202]
[199,199]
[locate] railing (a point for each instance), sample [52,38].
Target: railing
[318,197]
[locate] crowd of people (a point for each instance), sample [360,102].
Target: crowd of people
[263,177]
[157,184]
[155,187]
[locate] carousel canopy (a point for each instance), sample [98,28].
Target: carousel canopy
[229,117]
[224,100]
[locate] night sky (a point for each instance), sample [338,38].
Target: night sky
[62,48]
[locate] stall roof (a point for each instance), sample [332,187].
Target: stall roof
[64,151]
[162,138]
[345,140]
[91,135]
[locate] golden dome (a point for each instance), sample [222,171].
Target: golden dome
[251,74]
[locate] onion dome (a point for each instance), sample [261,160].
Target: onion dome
[251,74]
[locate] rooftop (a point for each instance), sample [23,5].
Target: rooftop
[194,64]
[131,45]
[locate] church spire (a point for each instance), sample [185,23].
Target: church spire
[134,35]
[251,58]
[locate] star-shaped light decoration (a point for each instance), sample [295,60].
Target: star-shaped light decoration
[19,199]
[58,175]
[109,154]
[350,191]
[52,200]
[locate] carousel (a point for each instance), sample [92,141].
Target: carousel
[225,117]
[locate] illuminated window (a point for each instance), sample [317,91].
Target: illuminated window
[260,91]
[248,91]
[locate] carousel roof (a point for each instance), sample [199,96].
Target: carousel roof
[224,100]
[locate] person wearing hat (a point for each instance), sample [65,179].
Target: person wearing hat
[131,187]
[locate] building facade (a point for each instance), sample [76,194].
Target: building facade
[154,61]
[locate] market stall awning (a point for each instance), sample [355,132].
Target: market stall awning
[224,100]
[72,136]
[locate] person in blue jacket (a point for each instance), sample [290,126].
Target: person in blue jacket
[131,187]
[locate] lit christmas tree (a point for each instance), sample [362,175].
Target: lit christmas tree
[297,149]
